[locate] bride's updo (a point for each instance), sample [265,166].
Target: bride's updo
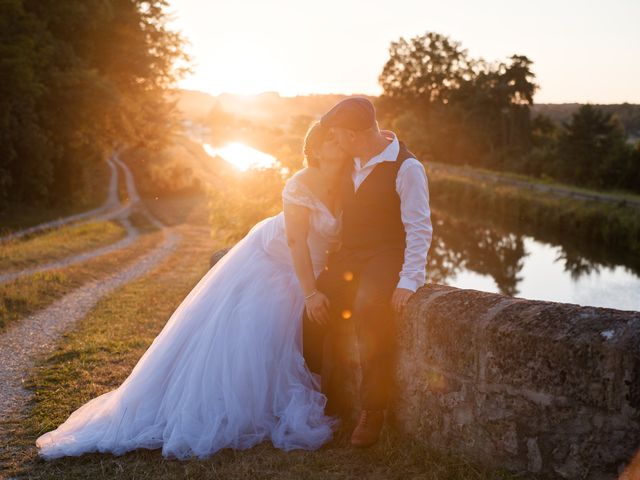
[312,143]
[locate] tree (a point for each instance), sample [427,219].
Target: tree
[78,78]
[27,153]
[470,108]
[425,69]
[590,146]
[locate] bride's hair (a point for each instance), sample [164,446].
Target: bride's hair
[313,140]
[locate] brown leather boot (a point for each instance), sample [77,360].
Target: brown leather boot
[368,429]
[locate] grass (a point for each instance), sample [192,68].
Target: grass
[27,295]
[17,216]
[174,210]
[59,243]
[141,221]
[505,175]
[100,353]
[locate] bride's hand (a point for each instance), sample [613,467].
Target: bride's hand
[318,308]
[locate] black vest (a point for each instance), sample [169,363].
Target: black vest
[371,218]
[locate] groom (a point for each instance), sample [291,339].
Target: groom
[386,235]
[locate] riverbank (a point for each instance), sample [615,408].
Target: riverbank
[614,226]
[545,185]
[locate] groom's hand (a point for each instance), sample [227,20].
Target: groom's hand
[400,298]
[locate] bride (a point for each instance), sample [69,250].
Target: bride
[227,370]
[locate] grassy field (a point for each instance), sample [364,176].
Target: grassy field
[506,176]
[29,294]
[59,243]
[100,353]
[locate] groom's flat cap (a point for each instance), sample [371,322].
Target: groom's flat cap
[354,113]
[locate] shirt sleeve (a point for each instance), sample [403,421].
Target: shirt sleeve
[413,188]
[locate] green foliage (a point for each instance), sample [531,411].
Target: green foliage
[78,79]
[452,108]
[590,150]
[590,147]
[614,227]
[468,108]
[426,69]
[244,199]
[168,172]
[628,114]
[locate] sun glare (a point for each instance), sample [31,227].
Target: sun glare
[242,156]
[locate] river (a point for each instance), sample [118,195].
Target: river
[471,254]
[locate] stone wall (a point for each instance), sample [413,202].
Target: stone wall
[533,386]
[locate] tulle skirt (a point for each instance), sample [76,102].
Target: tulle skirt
[226,371]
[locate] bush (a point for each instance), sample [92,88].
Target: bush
[242,200]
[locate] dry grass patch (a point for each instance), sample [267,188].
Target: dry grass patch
[59,243]
[27,295]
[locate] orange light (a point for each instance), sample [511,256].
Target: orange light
[632,472]
[346,314]
[348,276]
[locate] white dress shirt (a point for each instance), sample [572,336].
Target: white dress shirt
[412,187]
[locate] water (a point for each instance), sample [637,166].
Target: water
[467,254]
[242,156]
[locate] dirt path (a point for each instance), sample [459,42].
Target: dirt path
[532,185]
[36,335]
[121,213]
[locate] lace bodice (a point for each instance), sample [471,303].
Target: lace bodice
[324,229]
[323,235]
[323,222]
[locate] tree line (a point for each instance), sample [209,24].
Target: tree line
[453,108]
[77,79]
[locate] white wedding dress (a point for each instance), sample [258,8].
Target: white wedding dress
[227,370]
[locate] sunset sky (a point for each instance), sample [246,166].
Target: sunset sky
[583,51]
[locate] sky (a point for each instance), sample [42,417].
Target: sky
[582,51]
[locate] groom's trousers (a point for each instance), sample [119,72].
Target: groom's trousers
[359,285]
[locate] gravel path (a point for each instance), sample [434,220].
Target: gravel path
[38,334]
[111,203]
[120,213]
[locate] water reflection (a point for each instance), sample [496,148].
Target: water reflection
[458,246]
[467,254]
[242,156]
